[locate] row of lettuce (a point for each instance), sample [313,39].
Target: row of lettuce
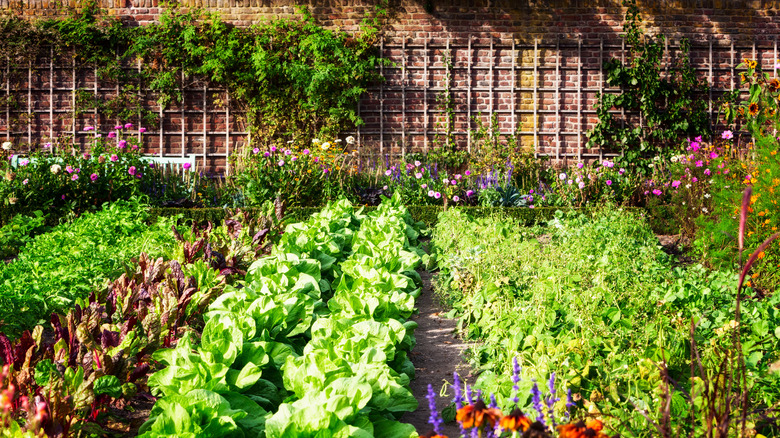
[311,337]
[595,303]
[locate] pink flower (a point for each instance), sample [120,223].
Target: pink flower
[74,177]
[430,193]
[118,127]
[112,134]
[468,172]
[531,206]
[388,172]
[128,125]
[69,169]
[453,182]
[280,163]
[657,192]
[122,144]
[437,195]
[114,157]
[287,152]
[581,185]
[273,148]
[707,172]
[93,177]
[141,130]
[727,135]
[256,151]
[695,179]
[267,154]
[456,198]
[24,162]
[47,145]
[135,147]
[713,155]
[131,170]
[186,166]
[609,182]
[418,175]
[580,165]
[417,163]
[89,128]
[25,181]
[676,184]
[424,186]
[531,191]
[294,158]
[87,156]
[621,171]
[306,152]
[469,193]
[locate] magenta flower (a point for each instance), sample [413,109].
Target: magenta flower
[128,125]
[727,135]
[131,170]
[118,127]
[281,163]
[388,172]
[87,156]
[456,198]
[609,182]
[453,182]
[437,195]
[621,171]
[256,151]
[122,144]
[114,157]
[47,145]
[469,193]
[294,158]
[676,184]
[141,130]
[74,177]
[699,163]
[707,172]
[580,165]
[186,166]
[273,148]
[89,128]
[69,169]
[93,177]
[267,154]
[25,181]
[468,172]
[424,186]
[135,147]
[657,192]
[695,179]
[151,165]
[287,152]
[530,199]
[112,134]
[306,152]
[24,162]
[713,155]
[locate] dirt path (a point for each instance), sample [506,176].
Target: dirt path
[436,356]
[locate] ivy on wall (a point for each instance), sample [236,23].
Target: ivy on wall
[292,77]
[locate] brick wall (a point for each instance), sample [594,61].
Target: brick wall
[534,64]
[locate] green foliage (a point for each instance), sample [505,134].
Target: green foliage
[670,107]
[75,259]
[595,300]
[19,232]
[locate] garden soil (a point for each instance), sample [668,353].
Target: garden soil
[436,356]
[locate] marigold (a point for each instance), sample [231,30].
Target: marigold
[515,421]
[477,415]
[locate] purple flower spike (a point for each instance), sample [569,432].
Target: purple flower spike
[469,397]
[551,400]
[515,380]
[493,403]
[458,391]
[569,404]
[435,419]
[537,401]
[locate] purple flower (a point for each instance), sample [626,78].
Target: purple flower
[294,158]
[93,177]
[537,401]
[256,151]
[267,154]
[551,400]
[273,148]
[114,157]
[657,192]
[186,166]
[435,419]
[131,170]
[141,130]
[609,182]
[515,380]
[306,152]
[727,135]
[121,144]
[530,199]
[621,171]
[469,193]
[287,152]
[456,386]
[63,197]
[128,125]
[467,173]
[151,165]
[112,134]
[676,184]
[580,165]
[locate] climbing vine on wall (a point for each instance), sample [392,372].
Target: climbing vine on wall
[292,77]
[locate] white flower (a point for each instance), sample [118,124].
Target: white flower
[338,140]
[325,146]
[316,141]
[706,195]
[12,200]
[350,140]
[687,186]
[705,210]
[562,176]
[55,168]
[7,145]
[675,159]
[289,141]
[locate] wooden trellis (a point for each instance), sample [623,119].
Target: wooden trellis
[541,91]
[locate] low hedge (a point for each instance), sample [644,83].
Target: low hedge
[660,218]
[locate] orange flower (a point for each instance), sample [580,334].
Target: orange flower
[774,85]
[433,434]
[477,415]
[753,109]
[515,421]
[582,430]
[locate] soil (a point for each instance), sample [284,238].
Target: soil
[436,356]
